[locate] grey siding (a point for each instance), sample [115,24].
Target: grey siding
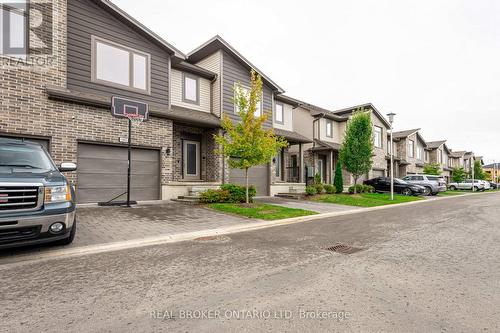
[86,18]
[233,72]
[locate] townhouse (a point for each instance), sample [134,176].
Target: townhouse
[99,52]
[439,154]
[409,151]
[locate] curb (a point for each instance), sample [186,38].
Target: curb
[175,238]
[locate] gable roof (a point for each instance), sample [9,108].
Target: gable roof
[218,43]
[404,134]
[457,154]
[435,144]
[315,111]
[351,109]
[142,28]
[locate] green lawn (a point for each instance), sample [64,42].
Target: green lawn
[364,199]
[261,211]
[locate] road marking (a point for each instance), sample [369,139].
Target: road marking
[24,259]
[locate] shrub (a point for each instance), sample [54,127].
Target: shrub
[361,189]
[215,196]
[330,189]
[317,178]
[319,188]
[311,190]
[237,193]
[339,180]
[369,189]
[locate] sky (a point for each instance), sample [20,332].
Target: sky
[435,63]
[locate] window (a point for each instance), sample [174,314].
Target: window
[411,148]
[440,156]
[329,128]
[119,66]
[279,165]
[191,89]
[426,156]
[279,113]
[419,153]
[246,92]
[377,140]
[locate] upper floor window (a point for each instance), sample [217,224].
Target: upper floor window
[329,128]
[279,117]
[377,139]
[411,148]
[426,156]
[419,153]
[246,93]
[440,156]
[120,66]
[190,88]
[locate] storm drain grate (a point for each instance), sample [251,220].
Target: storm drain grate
[343,249]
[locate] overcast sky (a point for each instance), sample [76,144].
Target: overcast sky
[436,63]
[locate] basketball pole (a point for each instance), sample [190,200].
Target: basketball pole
[129,159]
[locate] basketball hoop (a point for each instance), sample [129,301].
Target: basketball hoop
[135,119]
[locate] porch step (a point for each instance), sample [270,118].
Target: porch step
[188,200]
[295,196]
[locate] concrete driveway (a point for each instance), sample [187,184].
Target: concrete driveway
[318,207]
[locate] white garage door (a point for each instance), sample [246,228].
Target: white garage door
[102,173]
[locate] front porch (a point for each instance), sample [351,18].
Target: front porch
[288,167]
[195,167]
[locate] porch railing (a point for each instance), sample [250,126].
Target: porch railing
[292,174]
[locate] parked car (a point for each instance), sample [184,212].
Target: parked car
[494,185]
[432,184]
[37,204]
[383,184]
[486,184]
[467,185]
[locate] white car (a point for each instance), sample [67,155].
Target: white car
[487,185]
[467,185]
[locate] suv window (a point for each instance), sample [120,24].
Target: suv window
[26,158]
[418,178]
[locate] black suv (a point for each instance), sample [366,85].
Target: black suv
[383,184]
[37,204]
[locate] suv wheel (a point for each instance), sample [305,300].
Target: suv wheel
[407,192]
[453,188]
[476,188]
[69,239]
[428,191]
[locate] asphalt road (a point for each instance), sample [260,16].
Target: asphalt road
[425,268]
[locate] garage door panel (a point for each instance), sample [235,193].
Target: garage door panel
[257,176]
[102,173]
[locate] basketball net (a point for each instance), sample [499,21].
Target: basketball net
[135,119]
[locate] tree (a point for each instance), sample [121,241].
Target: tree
[478,171]
[338,181]
[432,169]
[357,149]
[247,143]
[458,175]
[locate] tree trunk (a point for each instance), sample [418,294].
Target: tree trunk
[246,180]
[355,183]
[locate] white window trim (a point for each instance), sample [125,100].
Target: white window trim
[329,121]
[195,78]
[130,87]
[411,148]
[282,122]
[381,137]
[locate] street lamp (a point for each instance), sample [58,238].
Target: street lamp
[472,172]
[391,120]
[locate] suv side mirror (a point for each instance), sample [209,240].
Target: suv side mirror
[67,167]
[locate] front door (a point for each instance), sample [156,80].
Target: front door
[191,160]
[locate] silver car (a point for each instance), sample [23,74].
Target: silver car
[432,184]
[467,185]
